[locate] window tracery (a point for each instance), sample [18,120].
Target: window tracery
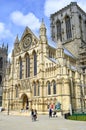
[58,25]
[68,27]
[27,66]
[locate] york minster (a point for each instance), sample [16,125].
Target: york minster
[40,75]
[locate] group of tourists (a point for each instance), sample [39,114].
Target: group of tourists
[52,113]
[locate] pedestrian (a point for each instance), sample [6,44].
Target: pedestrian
[50,112]
[35,114]
[32,114]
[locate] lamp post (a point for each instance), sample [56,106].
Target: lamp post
[8,107]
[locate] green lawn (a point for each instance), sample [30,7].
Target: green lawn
[79,117]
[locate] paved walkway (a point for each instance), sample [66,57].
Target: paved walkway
[9,122]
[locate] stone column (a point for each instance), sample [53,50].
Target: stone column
[42,95]
[77,95]
[66,95]
[59,89]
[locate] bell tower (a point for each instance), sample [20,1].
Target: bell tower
[69,25]
[3,65]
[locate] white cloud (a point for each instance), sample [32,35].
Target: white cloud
[4,32]
[52,6]
[29,20]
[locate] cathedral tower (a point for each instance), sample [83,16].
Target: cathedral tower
[69,25]
[3,64]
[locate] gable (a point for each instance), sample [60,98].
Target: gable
[28,39]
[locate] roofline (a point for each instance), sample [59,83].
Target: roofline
[66,7]
[54,48]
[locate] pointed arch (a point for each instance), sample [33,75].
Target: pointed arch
[80,25]
[35,62]
[27,65]
[34,88]
[25,100]
[58,26]
[54,86]
[48,88]
[68,27]
[20,67]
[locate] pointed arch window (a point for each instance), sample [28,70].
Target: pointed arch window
[27,66]
[0,79]
[68,27]
[20,68]
[1,62]
[85,29]
[16,91]
[35,64]
[49,89]
[54,87]
[34,89]
[59,35]
[80,25]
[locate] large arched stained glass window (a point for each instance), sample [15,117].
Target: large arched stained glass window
[54,87]
[49,89]
[34,85]
[35,63]
[20,68]
[1,62]
[68,27]
[27,66]
[59,35]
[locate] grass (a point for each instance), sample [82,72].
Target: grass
[77,117]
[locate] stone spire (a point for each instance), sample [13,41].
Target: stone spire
[42,24]
[42,29]
[16,41]
[3,45]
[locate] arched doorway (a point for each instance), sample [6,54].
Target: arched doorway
[25,103]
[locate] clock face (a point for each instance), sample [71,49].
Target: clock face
[27,41]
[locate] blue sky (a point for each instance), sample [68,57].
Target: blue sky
[15,15]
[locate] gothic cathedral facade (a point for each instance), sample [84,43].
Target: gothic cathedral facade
[40,76]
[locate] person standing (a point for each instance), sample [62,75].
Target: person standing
[32,114]
[35,115]
[50,112]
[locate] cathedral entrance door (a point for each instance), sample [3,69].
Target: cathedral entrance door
[25,104]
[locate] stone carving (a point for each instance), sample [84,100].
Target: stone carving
[25,84]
